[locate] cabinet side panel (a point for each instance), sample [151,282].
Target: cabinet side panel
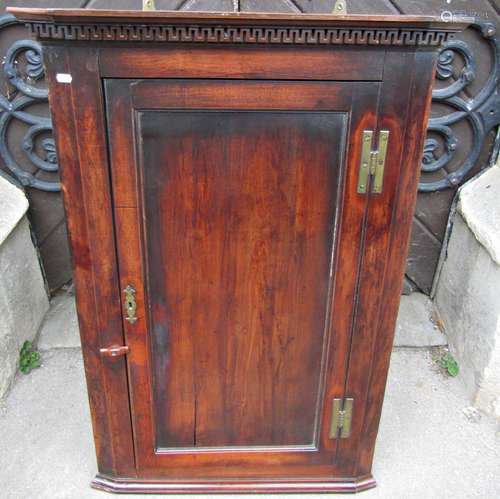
[392,113]
[81,145]
[423,64]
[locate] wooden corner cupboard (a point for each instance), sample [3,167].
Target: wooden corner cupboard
[239,192]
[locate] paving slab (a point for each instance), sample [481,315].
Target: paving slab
[431,444]
[417,323]
[60,326]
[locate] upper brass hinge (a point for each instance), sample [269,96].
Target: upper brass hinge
[340,426]
[372,163]
[148,5]
[340,8]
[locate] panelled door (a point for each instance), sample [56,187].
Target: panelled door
[239,229]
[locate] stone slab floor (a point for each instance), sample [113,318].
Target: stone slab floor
[431,444]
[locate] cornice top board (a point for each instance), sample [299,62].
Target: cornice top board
[241,28]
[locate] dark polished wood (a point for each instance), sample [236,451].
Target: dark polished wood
[210,163]
[121,17]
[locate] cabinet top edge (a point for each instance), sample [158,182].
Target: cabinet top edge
[89,16]
[80,25]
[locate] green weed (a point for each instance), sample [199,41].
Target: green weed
[29,359]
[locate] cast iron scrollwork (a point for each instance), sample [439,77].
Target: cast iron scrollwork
[37,143]
[481,112]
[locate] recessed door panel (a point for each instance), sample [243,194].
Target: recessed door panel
[240,210]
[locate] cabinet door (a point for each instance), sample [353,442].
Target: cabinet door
[239,226]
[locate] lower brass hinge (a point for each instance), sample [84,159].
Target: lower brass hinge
[340,426]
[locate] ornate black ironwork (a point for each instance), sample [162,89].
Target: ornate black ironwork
[481,112]
[16,107]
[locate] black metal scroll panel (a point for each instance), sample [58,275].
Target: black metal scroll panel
[482,112]
[17,107]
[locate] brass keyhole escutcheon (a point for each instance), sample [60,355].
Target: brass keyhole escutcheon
[130,304]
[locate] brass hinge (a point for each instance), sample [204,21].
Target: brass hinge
[372,162]
[340,426]
[340,8]
[148,5]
